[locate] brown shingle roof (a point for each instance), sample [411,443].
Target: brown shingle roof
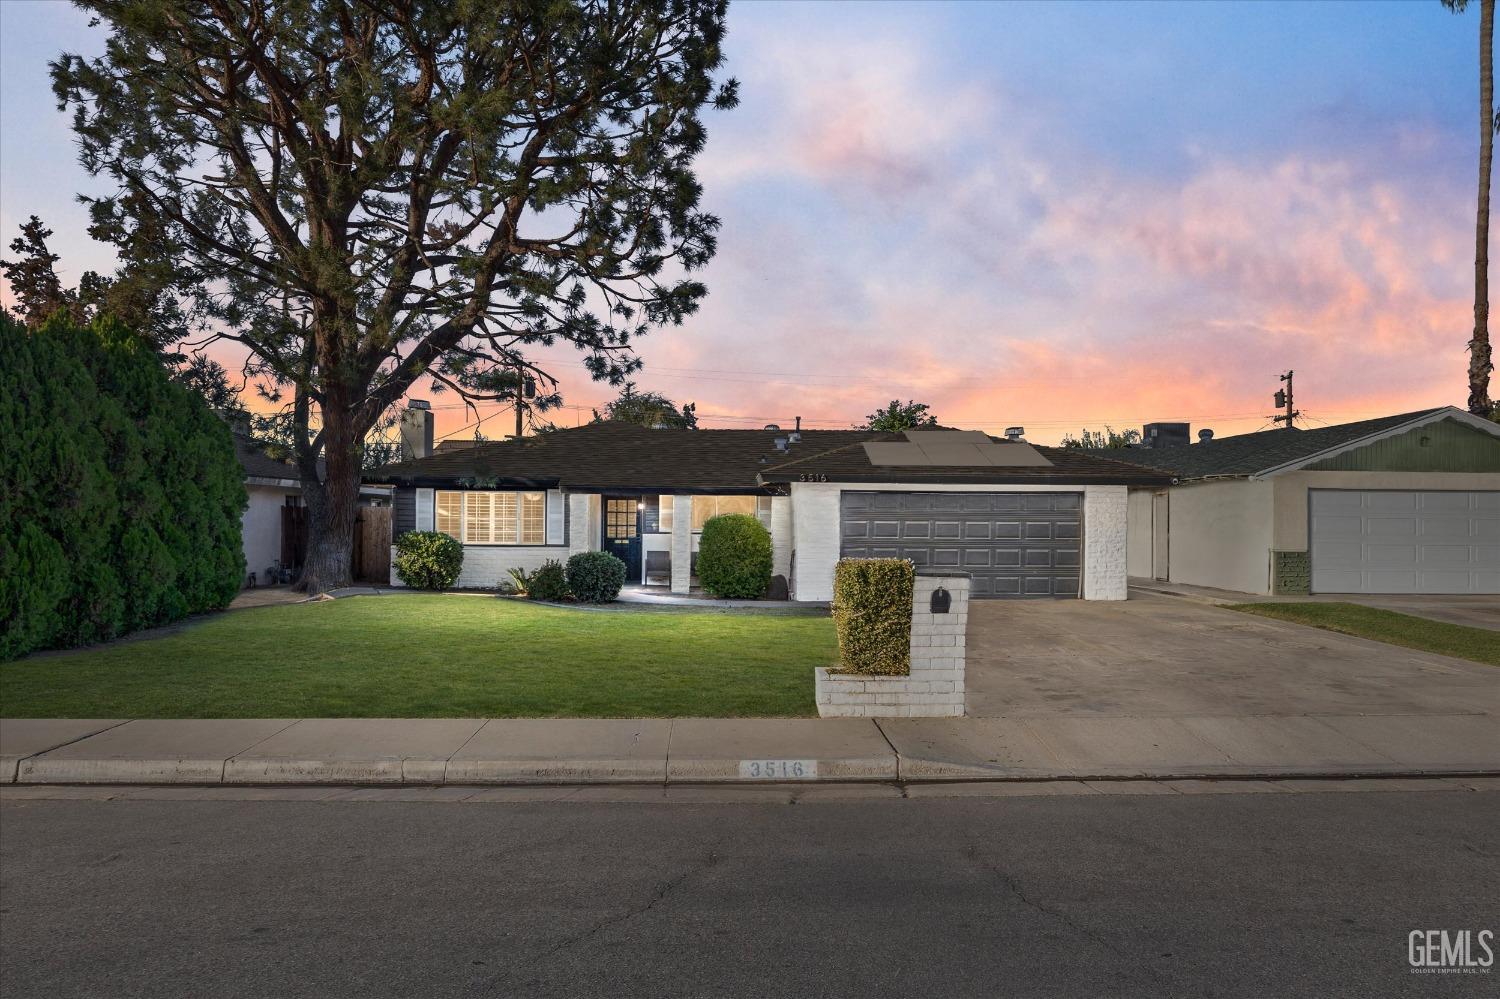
[606,456]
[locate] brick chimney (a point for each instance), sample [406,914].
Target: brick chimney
[416,430]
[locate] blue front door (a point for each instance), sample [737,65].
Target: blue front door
[622,533]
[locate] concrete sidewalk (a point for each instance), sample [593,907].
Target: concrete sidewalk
[715,750]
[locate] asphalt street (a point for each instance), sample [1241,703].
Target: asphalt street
[1119,895]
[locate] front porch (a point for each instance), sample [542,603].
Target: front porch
[656,535]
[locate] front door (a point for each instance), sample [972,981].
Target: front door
[622,533]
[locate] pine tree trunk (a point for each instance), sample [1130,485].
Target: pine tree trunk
[1480,364]
[332,506]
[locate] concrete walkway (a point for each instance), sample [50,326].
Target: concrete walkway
[713,750]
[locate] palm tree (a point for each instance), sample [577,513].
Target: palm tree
[1480,364]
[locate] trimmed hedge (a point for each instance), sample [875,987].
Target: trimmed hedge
[428,560]
[872,614]
[549,583]
[595,577]
[120,494]
[734,557]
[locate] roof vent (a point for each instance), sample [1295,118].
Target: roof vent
[1015,433]
[780,443]
[1205,435]
[797,433]
[773,426]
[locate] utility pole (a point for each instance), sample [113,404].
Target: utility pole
[520,405]
[1283,399]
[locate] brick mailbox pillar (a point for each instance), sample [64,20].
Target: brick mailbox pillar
[935,686]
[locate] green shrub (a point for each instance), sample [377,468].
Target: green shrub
[120,495]
[595,577]
[550,582]
[519,579]
[428,560]
[734,557]
[872,614]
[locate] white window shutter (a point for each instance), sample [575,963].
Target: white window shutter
[557,512]
[424,509]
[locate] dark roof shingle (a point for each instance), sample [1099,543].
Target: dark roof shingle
[1250,454]
[606,456]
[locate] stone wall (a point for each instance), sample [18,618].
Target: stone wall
[935,686]
[1291,573]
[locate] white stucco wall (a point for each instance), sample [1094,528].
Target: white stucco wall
[815,532]
[1220,535]
[1105,530]
[1138,526]
[260,528]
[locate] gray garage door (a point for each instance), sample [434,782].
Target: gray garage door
[1014,544]
[1390,541]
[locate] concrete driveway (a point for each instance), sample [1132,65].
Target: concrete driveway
[1170,657]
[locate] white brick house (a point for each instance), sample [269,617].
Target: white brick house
[1022,520]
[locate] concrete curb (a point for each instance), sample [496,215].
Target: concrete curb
[501,752]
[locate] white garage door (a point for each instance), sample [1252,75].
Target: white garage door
[1387,541]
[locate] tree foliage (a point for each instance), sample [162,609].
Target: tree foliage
[367,194]
[122,499]
[1106,439]
[899,416]
[648,409]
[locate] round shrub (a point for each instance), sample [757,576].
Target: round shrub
[734,557]
[428,560]
[595,577]
[550,582]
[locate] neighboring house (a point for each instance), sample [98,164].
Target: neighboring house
[273,484]
[1401,504]
[1025,521]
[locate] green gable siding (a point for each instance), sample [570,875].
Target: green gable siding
[1450,447]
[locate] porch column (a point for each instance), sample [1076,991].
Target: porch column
[682,543]
[781,537]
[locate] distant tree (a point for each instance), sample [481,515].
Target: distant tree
[899,416]
[33,276]
[1480,358]
[648,409]
[1102,439]
[371,194]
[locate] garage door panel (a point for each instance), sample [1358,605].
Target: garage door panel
[1334,502]
[1391,527]
[1377,501]
[1014,544]
[1391,541]
[1400,556]
[1445,529]
[1444,556]
[1333,526]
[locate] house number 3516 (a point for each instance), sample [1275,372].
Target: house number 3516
[814,477]
[778,769]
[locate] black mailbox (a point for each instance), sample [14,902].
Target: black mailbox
[940,601]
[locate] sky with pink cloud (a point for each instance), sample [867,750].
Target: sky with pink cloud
[1048,215]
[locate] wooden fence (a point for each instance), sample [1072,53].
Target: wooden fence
[372,541]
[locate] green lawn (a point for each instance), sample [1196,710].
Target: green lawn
[434,656]
[1479,644]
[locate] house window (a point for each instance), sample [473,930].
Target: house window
[705,507]
[664,514]
[492,518]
